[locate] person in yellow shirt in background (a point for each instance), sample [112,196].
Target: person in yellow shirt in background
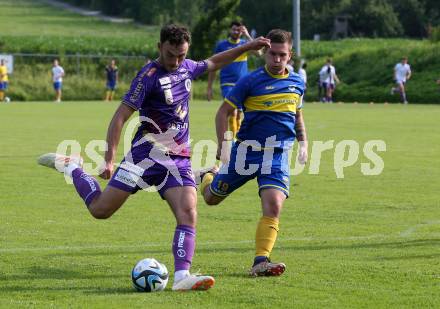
[3,79]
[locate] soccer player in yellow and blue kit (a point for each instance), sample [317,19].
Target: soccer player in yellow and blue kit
[271,98]
[230,74]
[3,79]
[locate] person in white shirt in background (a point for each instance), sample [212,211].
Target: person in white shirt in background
[302,72]
[329,79]
[57,78]
[402,73]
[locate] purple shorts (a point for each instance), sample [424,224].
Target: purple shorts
[147,174]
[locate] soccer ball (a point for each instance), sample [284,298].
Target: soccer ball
[148,275]
[7,99]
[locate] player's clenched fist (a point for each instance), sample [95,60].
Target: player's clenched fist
[106,170]
[303,152]
[259,43]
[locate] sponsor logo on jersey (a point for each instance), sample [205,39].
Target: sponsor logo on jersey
[165,80]
[188,84]
[168,96]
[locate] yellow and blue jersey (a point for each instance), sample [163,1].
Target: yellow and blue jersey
[270,103]
[3,73]
[230,74]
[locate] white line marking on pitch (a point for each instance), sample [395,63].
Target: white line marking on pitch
[201,243]
[412,229]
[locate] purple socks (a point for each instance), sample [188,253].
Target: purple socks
[86,186]
[183,247]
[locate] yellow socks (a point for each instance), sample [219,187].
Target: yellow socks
[2,96]
[233,125]
[109,95]
[206,181]
[267,230]
[238,121]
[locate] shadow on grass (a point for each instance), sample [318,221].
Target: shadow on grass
[85,290]
[111,251]
[212,249]
[389,245]
[407,257]
[37,273]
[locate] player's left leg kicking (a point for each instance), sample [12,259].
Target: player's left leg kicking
[181,196]
[217,185]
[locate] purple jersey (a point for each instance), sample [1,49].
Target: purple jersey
[162,98]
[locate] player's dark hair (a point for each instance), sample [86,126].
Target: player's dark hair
[175,35]
[279,36]
[236,23]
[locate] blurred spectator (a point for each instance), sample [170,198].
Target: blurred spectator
[112,79]
[3,80]
[57,78]
[402,73]
[328,76]
[302,72]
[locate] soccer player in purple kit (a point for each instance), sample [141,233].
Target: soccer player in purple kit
[160,152]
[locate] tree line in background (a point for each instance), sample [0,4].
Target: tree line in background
[366,18]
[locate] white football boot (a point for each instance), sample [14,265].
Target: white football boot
[59,162]
[267,268]
[194,282]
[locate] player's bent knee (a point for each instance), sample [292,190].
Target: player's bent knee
[212,200]
[273,212]
[188,214]
[99,211]
[99,214]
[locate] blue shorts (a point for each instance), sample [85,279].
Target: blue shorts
[272,174]
[3,85]
[111,86]
[57,85]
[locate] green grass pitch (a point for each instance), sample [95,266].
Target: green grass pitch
[361,241]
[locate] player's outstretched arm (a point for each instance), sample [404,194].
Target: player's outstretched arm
[301,136]
[222,59]
[245,33]
[221,125]
[120,117]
